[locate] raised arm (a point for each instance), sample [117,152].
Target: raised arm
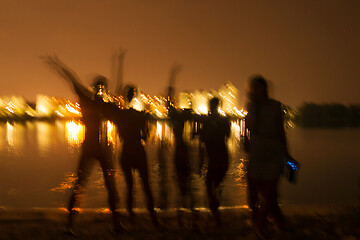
[120,56]
[174,71]
[66,73]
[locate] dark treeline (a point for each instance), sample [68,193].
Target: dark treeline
[328,115]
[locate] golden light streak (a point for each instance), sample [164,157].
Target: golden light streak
[10,135]
[74,132]
[221,112]
[202,109]
[111,133]
[71,109]
[45,136]
[159,130]
[68,183]
[104,210]
[236,130]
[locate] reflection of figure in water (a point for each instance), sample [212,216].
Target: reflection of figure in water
[162,147]
[95,144]
[181,154]
[132,127]
[266,145]
[214,133]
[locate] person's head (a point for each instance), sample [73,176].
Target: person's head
[257,89]
[130,92]
[214,103]
[100,85]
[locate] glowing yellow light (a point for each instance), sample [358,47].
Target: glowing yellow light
[45,136]
[10,107]
[240,113]
[59,113]
[203,109]
[104,210]
[137,105]
[240,174]
[74,132]
[68,183]
[158,113]
[72,109]
[62,209]
[221,111]
[159,130]
[44,105]
[111,133]
[236,130]
[30,112]
[10,135]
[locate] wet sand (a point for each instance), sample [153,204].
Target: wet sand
[303,222]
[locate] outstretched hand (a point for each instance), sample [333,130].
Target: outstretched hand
[65,72]
[56,64]
[121,53]
[175,69]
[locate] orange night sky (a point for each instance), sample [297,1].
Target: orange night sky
[309,49]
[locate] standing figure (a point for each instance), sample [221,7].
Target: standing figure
[95,146]
[266,144]
[133,130]
[181,154]
[214,133]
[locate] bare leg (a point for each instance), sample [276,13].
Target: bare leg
[213,182]
[275,213]
[150,201]
[213,201]
[84,169]
[113,197]
[267,205]
[129,197]
[183,189]
[253,198]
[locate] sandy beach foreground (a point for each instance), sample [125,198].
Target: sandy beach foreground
[304,222]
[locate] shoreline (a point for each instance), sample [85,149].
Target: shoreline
[303,222]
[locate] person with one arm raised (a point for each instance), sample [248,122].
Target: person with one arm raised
[94,147]
[178,118]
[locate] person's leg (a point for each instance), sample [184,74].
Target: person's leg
[108,169]
[129,191]
[144,175]
[260,224]
[181,168]
[264,187]
[183,189]
[83,172]
[219,171]
[252,196]
[213,200]
[274,210]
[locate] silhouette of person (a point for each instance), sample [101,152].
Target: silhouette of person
[266,145]
[214,132]
[95,146]
[177,120]
[133,130]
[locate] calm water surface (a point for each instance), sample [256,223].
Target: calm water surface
[38,162]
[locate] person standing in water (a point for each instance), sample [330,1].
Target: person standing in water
[95,146]
[265,141]
[133,130]
[132,127]
[214,132]
[181,154]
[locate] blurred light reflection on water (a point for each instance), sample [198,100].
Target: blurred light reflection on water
[38,161]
